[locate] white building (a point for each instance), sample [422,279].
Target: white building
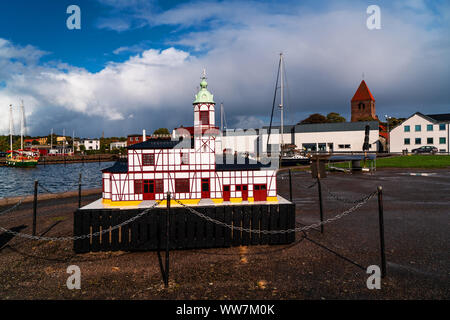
[421,130]
[89,144]
[319,137]
[118,145]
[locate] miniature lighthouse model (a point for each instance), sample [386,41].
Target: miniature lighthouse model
[188,168]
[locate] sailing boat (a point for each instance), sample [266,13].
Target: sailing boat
[289,155]
[20,158]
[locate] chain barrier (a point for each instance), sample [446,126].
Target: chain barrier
[311,185]
[342,199]
[71,188]
[361,202]
[84,236]
[14,206]
[305,228]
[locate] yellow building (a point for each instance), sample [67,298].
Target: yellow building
[60,140]
[43,140]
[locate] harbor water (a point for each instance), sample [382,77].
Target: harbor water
[55,178]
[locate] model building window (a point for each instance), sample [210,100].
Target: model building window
[148,159]
[238,187]
[137,186]
[429,140]
[407,141]
[181,185]
[159,185]
[204,117]
[184,158]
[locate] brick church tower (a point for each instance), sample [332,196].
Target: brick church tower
[363,104]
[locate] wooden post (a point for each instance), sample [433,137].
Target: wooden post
[319,187]
[79,191]
[290,186]
[35,206]
[166,280]
[381,225]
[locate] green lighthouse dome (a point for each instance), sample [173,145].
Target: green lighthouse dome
[204,96]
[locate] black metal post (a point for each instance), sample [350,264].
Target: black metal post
[319,187]
[166,280]
[381,224]
[79,191]
[35,206]
[290,186]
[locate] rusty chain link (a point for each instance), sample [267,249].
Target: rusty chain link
[84,236]
[314,225]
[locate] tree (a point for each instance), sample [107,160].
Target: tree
[369,118]
[161,131]
[314,118]
[393,122]
[335,117]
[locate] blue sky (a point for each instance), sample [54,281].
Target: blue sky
[135,64]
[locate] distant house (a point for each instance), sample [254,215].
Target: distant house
[89,144]
[138,138]
[60,151]
[61,140]
[43,140]
[422,130]
[30,142]
[117,145]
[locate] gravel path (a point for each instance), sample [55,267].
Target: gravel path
[318,266]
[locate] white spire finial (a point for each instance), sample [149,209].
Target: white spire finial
[204,73]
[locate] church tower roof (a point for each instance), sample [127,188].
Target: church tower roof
[363,93]
[204,96]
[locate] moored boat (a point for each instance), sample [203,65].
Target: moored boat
[25,158]
[22,158]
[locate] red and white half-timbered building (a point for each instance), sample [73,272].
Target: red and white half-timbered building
[188,168]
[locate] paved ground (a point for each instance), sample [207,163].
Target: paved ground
[417,225]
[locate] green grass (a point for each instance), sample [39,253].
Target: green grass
[411,161]
[415,161]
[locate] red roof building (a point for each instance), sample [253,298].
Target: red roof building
[363,104]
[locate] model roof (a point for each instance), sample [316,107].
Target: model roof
[155,144]
[118,167]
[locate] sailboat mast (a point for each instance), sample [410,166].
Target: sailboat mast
[22,124]
[221,116]
[282,99]
[10,128]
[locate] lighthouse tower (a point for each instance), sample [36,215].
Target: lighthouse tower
[204,119]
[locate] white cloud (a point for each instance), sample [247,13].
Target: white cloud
[405,63]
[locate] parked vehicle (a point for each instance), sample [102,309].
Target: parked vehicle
[425,149]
